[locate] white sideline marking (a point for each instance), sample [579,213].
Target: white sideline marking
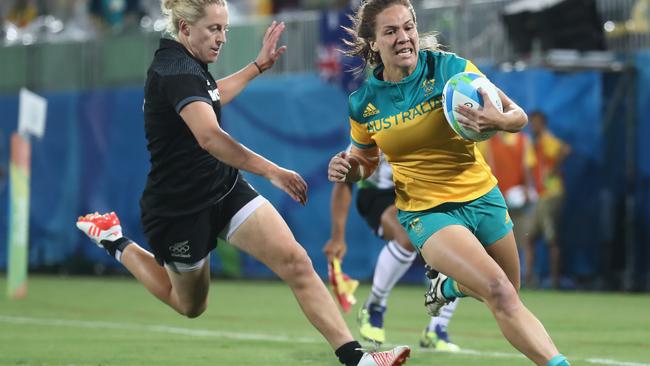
[604,361]
[154,329]
[471,352]
[255,336]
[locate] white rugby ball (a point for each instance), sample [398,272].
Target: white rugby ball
[462,89]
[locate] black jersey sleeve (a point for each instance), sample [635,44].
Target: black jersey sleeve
[181,90]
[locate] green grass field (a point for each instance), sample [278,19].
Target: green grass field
[114,321]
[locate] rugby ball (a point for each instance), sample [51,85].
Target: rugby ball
[462,88]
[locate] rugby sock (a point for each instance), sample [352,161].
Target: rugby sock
[445,316]
[558,360]
[391,265]
[115,248]
[450,289]
[350,353]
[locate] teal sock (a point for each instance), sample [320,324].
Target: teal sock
[558,360]
[450,290]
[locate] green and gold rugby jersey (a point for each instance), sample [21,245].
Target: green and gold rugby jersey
[431,163]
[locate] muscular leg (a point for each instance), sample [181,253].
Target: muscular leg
[266,236]
[455,252]
[185,292]
[504,252]
[384,280]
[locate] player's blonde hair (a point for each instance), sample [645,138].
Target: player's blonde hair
[188,10]
[364,22]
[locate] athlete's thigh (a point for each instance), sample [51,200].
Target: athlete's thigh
[182,245]
[455,251]
[266,236]
[504,252]
[190,286]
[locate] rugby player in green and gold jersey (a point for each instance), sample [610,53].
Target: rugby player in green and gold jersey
[447,197]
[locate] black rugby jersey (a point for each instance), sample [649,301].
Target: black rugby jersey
[184,178]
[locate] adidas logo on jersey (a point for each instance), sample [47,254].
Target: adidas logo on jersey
[370,110]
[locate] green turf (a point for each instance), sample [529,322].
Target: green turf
[114,321]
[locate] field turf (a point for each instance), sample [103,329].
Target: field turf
[76,321]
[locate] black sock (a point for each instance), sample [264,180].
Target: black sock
[350,353]
[112,247]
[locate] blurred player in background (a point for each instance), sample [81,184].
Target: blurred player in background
[447,198]
[550,153]
[195,193]
[376,204]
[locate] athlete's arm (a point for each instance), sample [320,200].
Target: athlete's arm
[232,85]
[488,118]
[515,117]
[339,210]
[200,118]
[353,166]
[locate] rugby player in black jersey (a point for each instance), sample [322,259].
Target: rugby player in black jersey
[194,192]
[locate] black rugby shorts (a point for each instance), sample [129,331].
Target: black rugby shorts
[190,238]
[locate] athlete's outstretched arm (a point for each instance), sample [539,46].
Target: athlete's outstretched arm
[339,211]
[232,85]
[200,118]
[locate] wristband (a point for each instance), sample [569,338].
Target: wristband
[259,68]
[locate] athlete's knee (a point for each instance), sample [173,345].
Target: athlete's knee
[502,295]
[193,309]
[295,264]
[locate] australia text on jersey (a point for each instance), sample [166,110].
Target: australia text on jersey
[419,110]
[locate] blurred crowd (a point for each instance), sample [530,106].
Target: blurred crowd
[29,21]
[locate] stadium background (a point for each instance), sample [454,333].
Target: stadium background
[93,155]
